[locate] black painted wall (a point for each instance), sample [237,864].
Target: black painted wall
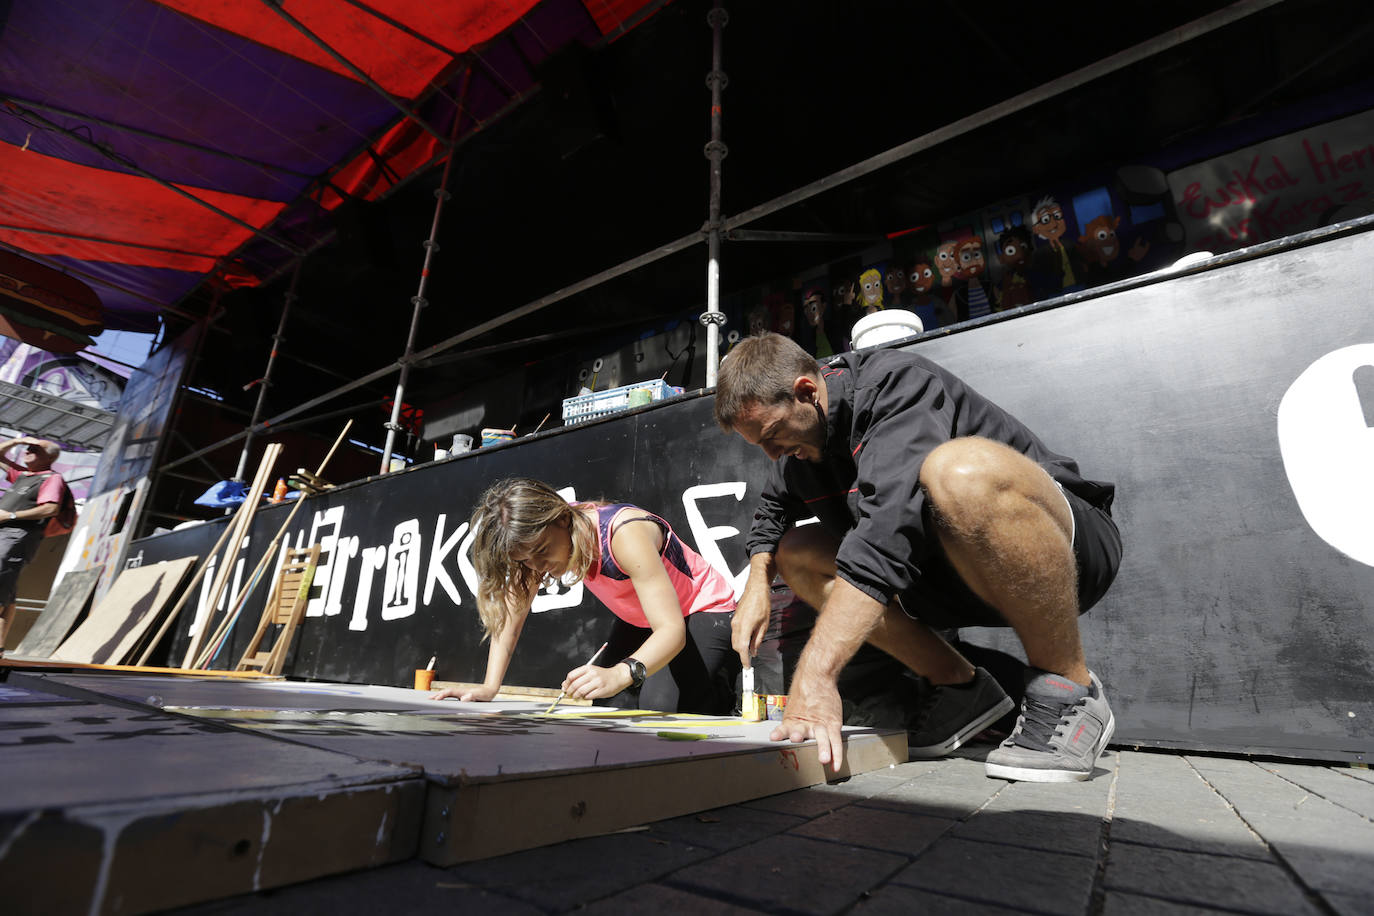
[1230,406]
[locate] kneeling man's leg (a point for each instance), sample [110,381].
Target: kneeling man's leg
[1007,530]
[964,701]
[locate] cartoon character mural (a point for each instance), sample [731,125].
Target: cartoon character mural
[933,311]
[871,289]
[822,334]
[783,314]
[1101,251]
[947,263]
[758,320]
[1056,263]
[895,283]
[1013,254]
[973,294]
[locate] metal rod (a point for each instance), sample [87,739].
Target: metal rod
[144,173]
[87,275]
[1080,77]
[267,168]
[770,235]
[266,381]
[277,7]
[716,151]
[76,236]
[1118,61]
[418,301]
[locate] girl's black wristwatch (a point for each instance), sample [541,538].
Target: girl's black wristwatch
[637,672]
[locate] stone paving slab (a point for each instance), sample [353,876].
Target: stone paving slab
[1336,786]
[1329,847]
[1157,833]
[1161,800]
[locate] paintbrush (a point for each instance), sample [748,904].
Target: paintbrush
[751,710]
[563,693]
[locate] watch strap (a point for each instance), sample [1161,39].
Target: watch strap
[637,671]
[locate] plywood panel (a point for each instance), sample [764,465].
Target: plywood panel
[118,621]
[106,808]
[504,775]
[64,607]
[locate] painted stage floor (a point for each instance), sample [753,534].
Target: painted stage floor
[130,793]
[1152,833]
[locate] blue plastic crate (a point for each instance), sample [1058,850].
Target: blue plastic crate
[586,407]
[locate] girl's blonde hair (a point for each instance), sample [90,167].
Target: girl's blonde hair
[511,515]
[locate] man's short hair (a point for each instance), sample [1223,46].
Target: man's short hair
[49,448]
[759,370]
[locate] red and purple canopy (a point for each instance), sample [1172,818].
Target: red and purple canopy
[146,147]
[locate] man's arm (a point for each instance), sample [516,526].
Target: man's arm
[773,516]
[752,611]
[5,452]
[813,706]
[37,513]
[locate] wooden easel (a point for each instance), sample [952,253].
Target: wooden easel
[285,607]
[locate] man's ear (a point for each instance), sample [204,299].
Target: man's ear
[804,389]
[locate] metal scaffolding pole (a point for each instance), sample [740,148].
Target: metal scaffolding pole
[715,151]
[266,381]
[1167,41]
[418,301]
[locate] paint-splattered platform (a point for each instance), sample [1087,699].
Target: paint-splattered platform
[485,778]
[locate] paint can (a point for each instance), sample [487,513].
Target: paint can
[462,442]
[424,679]
[754,708]
[496,436]
[777,705]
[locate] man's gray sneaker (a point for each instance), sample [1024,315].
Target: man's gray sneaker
[954,713]
[1062,729]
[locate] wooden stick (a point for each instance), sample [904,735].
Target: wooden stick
[239,527]
[542,422]
[236,607]
[231,617]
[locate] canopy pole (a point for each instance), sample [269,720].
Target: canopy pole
[716,151]
[418,301]
[266,381]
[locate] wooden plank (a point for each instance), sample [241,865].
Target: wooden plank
[461,822]
[124,614]
[503,775]
[64,607]
[239,529]
[47,665]
[109,809]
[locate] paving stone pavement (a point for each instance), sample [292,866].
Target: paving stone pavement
[1152,833]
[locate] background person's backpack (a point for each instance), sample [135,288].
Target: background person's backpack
[65,519]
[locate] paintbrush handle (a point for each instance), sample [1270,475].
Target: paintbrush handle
[592,660]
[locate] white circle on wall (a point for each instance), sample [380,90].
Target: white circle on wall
[1326,438]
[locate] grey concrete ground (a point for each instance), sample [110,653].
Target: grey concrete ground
[1152,832]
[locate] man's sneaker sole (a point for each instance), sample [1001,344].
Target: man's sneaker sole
[1036,774]
[956,741]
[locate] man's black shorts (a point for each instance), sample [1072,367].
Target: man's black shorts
[941,599]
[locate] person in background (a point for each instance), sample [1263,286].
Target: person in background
[36,494]
[671,640]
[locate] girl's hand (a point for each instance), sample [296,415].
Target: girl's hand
[467,694]
[591,682]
